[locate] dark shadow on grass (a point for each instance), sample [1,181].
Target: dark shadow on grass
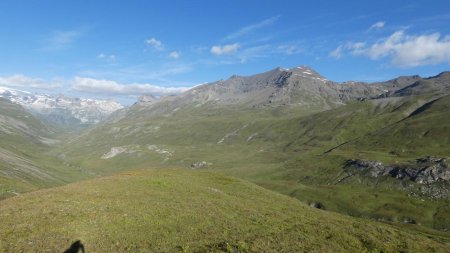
[75,247]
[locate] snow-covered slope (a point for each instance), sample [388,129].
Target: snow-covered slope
[73,112]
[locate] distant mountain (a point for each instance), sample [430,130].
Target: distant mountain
[300,87]
[62,110]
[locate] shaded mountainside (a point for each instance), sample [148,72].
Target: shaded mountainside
[190,211]
[439,85]
[24,162]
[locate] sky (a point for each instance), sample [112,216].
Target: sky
[121,49]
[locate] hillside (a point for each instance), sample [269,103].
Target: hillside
[25,162]
[296,150]
[189,211]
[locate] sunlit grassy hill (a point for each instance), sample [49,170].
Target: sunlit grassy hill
[189,211]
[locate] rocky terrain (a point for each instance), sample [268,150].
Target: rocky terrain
[431,174]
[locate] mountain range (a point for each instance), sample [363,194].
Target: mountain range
[65,111]
[377,151]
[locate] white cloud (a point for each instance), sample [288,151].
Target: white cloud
[107,57]
[28,82]
[248,29]
[377,25]
[98,86]
[357,48]
[156,44]
[225,49]
[174,55]
[404,50]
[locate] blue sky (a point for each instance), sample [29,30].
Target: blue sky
[119,49]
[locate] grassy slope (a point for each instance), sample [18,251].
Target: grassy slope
[280,149]
[189,211]
[25,164]
[379,132]
[425,132]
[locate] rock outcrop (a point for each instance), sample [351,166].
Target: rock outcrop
[431,174]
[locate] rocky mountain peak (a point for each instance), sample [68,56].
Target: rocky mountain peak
[308,73]
[147,99]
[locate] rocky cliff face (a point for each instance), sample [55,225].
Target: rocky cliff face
[429,173]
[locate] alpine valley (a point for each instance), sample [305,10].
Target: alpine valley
[281,161]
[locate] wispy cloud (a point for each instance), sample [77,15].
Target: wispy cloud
[59,40]
[402,49]
[337,53]
[107,57]
[377,25]
[237,54]
[289,49]
[100,86]
[23,81]
[225,49]
[251,28]
[174,55]
[434,18]
[260,51]
[141,73]
[155,44]
[354,47]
